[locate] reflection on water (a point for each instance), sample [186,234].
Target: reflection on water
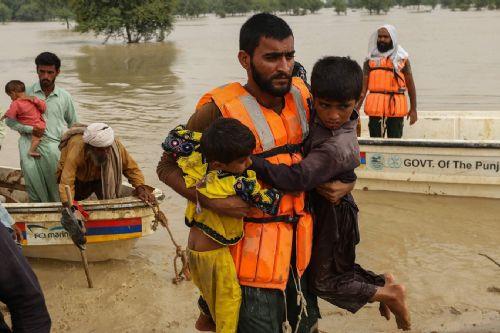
[130,85]
[132,88]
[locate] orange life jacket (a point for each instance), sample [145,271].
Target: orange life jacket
[387,88]
[262,257]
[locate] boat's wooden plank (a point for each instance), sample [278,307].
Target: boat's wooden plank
[10,186]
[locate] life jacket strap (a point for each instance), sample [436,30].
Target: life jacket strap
[272,219]
[285,149]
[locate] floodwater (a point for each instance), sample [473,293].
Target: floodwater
[431,244]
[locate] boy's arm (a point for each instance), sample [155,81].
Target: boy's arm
[318,167]
[169,173]
[347,177]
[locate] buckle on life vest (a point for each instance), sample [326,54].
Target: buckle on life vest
[273,219]
[401,91]
[285,149]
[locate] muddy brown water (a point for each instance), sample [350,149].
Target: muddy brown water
[430,243]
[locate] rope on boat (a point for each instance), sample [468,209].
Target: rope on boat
[180,253]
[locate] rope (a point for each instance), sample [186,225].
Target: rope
[180,254]
[285,326]
[301,300]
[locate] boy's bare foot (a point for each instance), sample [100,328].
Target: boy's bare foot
[34,154]
[383,308]
[204,323]
[389,279]
[397,304]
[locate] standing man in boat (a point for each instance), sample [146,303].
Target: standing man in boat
[93,161]
[40,173]
[387,76]
[19,287]
[274,253]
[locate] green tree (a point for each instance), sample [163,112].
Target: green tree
[14,6]
[265,5]
[447,4]
[480,4]
[33,10]
[376,6]
[5,12]
[414,3]
[355,4]
[340,7]
[231,7]
[63,10]
[132,20]
[290,6]
[313,5]
[463,5]
[431,3]
[191,8]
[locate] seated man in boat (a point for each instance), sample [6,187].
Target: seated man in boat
[93,161]
[387,77]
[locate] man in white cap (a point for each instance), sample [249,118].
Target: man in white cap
[387,76]
[93,161]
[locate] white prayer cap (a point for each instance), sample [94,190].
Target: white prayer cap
[99,135]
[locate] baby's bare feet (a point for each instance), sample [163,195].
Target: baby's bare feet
[34,154]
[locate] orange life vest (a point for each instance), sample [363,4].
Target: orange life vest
[262,257]
[387,88]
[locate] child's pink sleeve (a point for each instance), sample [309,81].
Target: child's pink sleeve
[12,111]
[40,104]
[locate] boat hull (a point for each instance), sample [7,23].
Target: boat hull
[113,226]
[455,168]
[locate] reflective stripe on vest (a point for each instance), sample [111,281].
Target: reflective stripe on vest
[297,98]
[259,121]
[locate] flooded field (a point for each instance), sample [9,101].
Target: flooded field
[431,244]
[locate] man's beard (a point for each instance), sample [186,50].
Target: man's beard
[267,85]
[384,47]
[45,83]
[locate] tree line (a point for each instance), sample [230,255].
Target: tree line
[144,20]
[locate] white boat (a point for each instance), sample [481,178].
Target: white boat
[113,225]
[444,153]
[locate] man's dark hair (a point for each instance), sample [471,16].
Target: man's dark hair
[14,86]
[48,59]
[262,25]
[337,78]
[227,140]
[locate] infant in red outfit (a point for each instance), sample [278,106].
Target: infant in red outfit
[27,110]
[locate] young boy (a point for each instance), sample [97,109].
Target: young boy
[27,110]
[332,153]
[216,164]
